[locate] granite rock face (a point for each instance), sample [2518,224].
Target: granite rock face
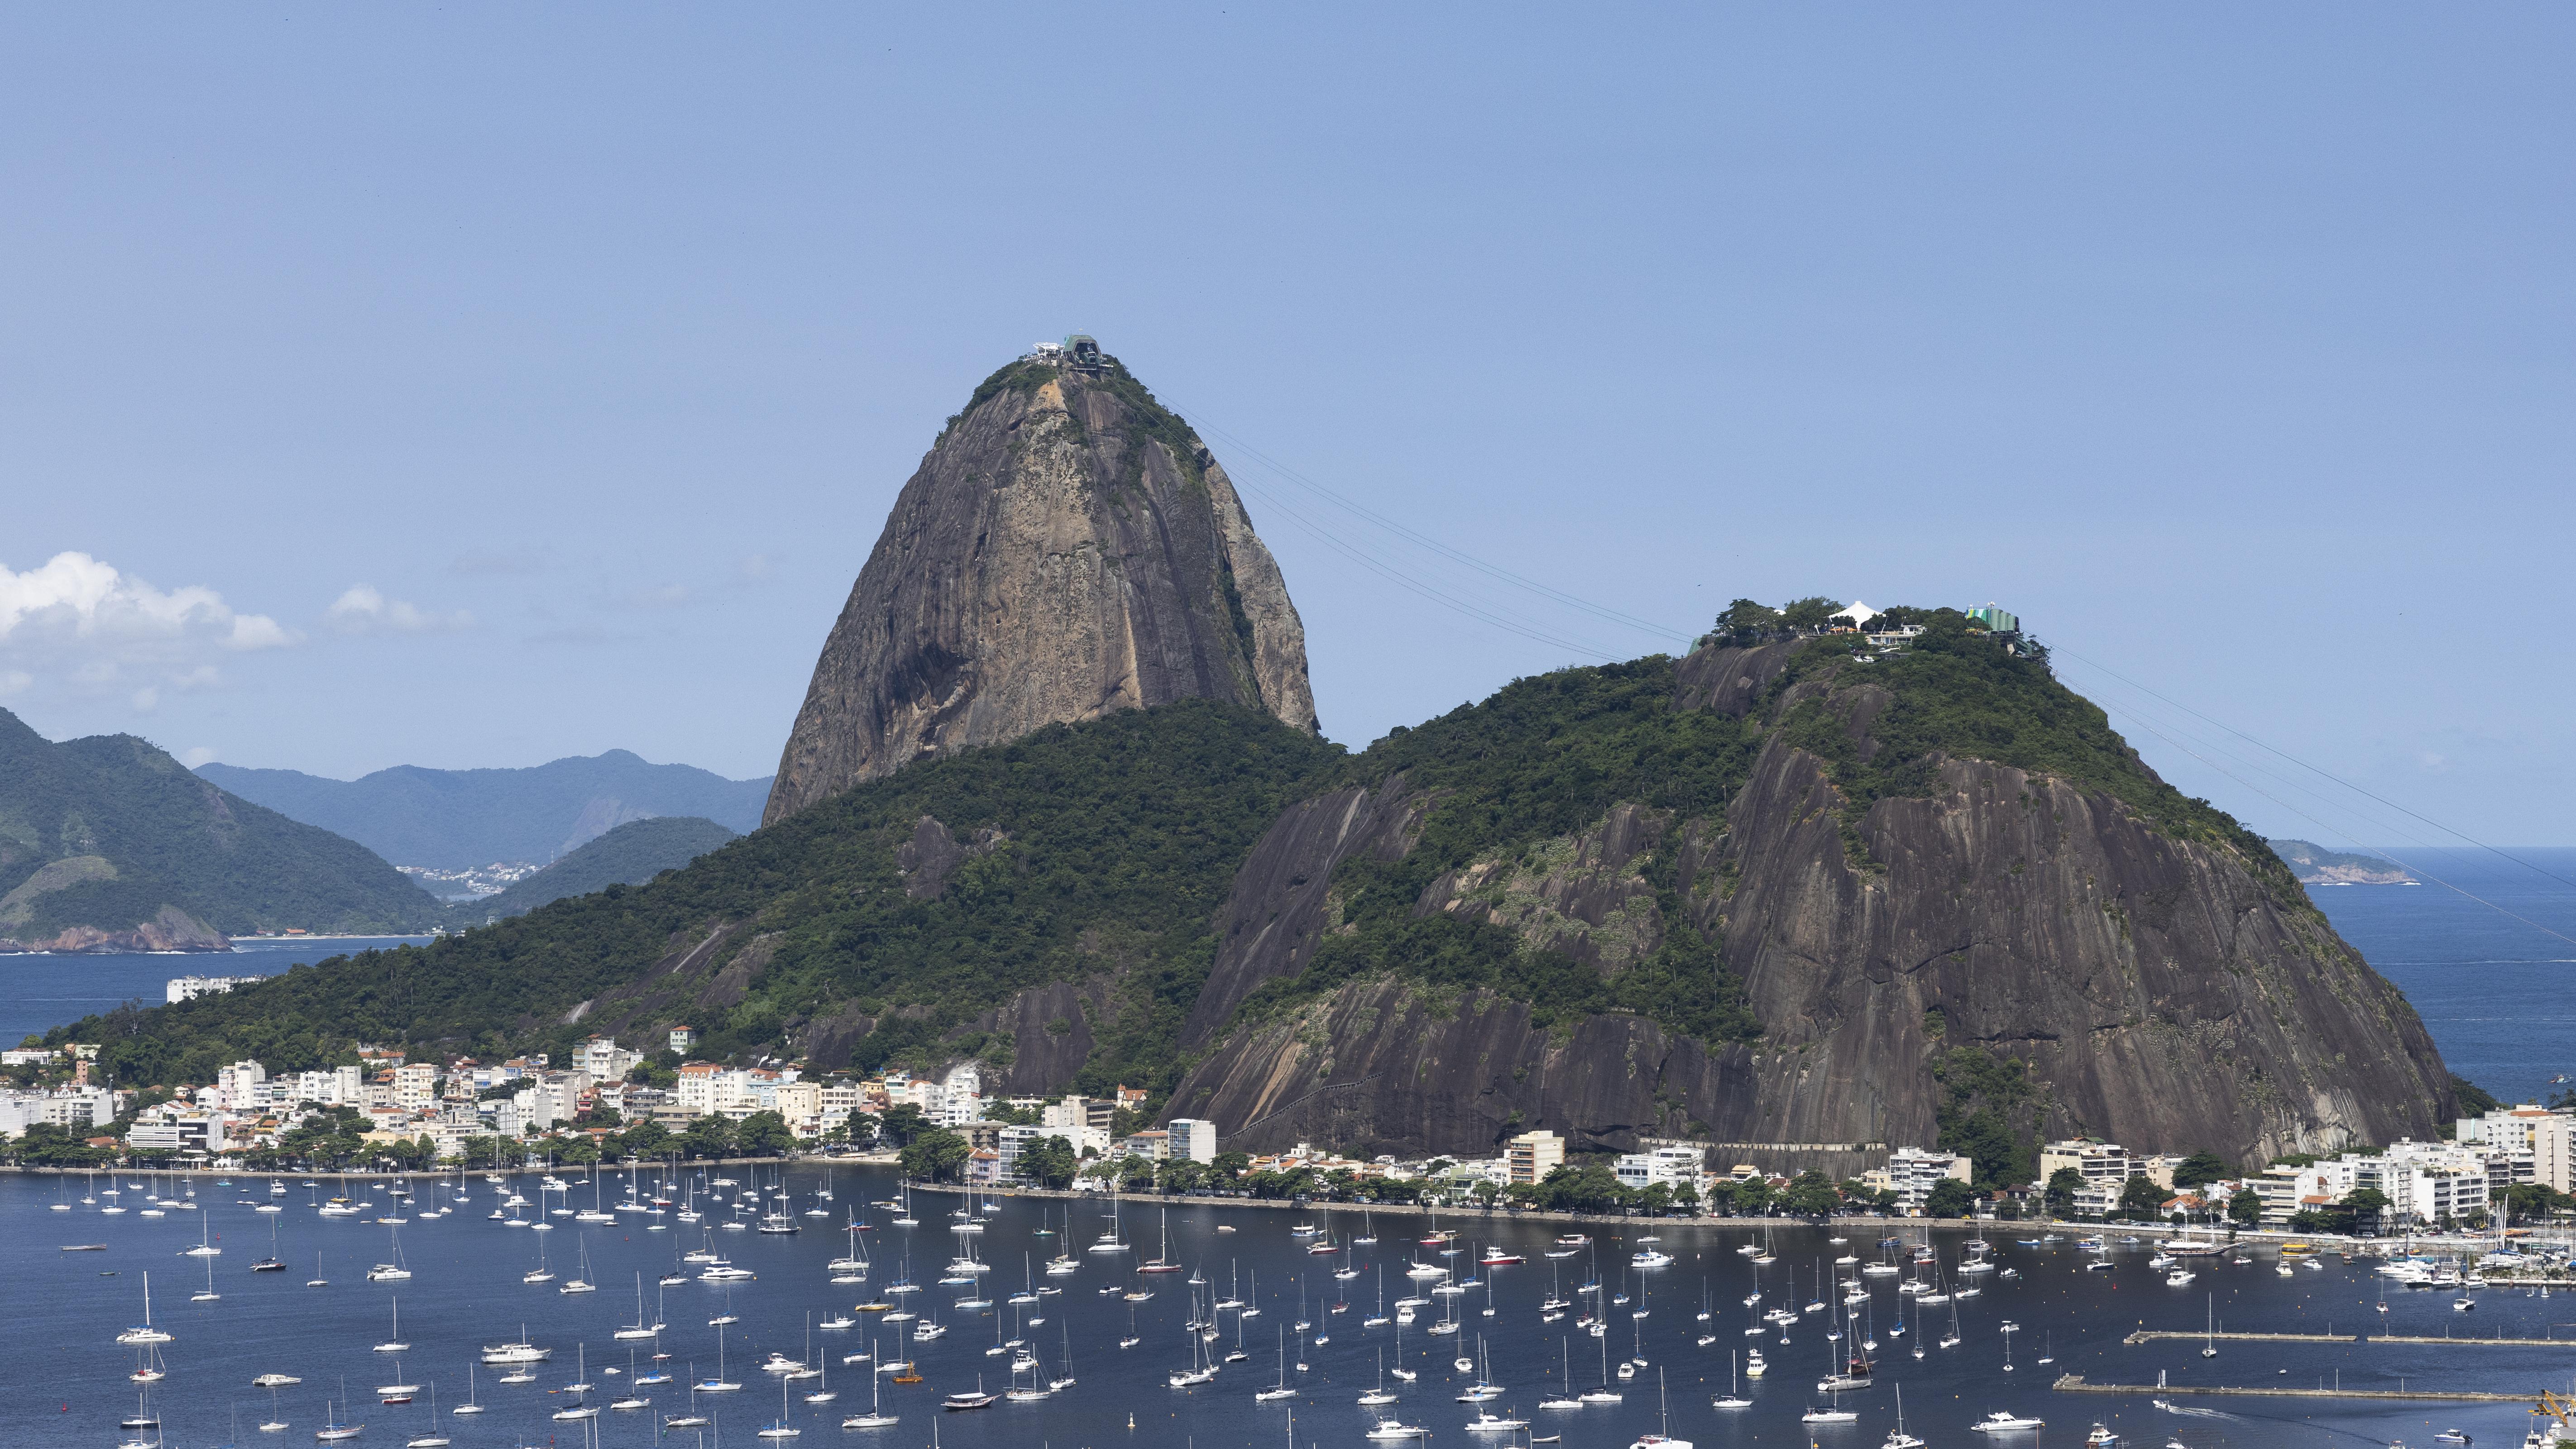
[2162,992]
[1068,548]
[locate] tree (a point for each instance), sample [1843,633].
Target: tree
[647,1138]
[2246,1208]
[1686,1197]
[1812,1195]
[1233,1164]
[935,1156]
[1949,1198]
[764,1134]
[580,1151]
[1745,622]
[861,1129]
[1048,1162]
[1808,615]
[2200,1169]
[708,1136]
[2063,1184]
[901,1123]
[2141,1199]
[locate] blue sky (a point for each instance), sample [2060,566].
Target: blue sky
[480,385]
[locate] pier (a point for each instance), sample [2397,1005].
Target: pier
[2149,1335]
[2446,1338]
[2075,1384]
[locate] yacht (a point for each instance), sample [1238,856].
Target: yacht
[2005,1422]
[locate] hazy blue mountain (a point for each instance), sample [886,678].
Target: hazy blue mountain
[450,819]
[631,854]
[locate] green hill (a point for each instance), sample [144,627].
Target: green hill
[1627,899]
[1103,851]
[629,855]
[109,835]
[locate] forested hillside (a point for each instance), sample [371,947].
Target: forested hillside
[107,833]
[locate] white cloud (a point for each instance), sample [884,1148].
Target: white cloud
[362,609]
[146,700]
[196,755]
[77,609]
[14,681]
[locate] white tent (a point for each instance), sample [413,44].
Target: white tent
[1858,615]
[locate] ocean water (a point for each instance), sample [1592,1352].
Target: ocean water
[2486,959]
[39,993]
[70,1377]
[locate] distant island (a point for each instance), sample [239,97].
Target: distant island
[2313,864]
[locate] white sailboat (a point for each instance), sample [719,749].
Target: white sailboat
[395,1343]
[1733,1399]
[433,1439]
[1662,1438]
[144,1332]
[876,1417]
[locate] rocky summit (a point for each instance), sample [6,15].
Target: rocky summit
[1068,548]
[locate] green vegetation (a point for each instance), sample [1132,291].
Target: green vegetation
[2201,1168]
[1956,692]
[631,854]
[128,830]
[1102,853]
[1118,841]
[1989,1114]
[1544,758]
[2475,1101]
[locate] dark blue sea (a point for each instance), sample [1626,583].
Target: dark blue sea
[69,1385]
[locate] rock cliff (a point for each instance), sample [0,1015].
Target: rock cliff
[1068,548]
[2162,983]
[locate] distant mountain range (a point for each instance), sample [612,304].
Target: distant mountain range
[108,844]
[453,819]
[2316,865]
[631,854]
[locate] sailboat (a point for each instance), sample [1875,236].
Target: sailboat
[1380,1394]
[272,1263]
[1279,1390]
[876,1417]
[208,1293]
[718,1384]
[394,1271]
[639,1328]
[395,1343]
[144,1332]
[1603,1393]
[582,1407]
[580,1282]
[433,1439]
[1733,1399]
[782,1429]
[1663,1438]
[1899,1439]
[332,1430]
[1565,1398]
[2209,1333]
[1163,1260]
[469,1406]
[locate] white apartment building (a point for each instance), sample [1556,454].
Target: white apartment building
[75,1108]
[604,1059]
[1671,1166]
[2553,1151]
[1912,1172]
[415,1086]
[1193,1139]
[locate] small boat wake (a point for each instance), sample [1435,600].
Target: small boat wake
[2170,1407]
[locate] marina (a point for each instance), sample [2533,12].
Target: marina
[1796,1343]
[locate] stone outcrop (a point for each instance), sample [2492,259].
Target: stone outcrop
[2164,993]
[1068,548]
[169,929]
